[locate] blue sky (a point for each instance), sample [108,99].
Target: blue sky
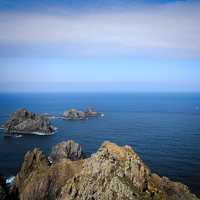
[128,45]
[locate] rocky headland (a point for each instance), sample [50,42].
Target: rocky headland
[24,122]
[112,173]
[74,114]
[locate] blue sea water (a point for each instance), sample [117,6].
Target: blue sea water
[164,129]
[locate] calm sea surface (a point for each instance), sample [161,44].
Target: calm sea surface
[164,129]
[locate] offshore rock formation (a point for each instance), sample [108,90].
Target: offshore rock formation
[112,173]
[73,114]
[89,112]
[66,149]
[22,121]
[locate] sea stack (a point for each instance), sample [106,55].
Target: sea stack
[24,122]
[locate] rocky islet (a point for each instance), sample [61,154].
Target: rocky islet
[24,122]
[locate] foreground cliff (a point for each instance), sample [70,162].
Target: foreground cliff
[112,173]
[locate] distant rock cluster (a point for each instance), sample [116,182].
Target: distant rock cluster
[112,173]
[22,121]
[73,114]
[25,122]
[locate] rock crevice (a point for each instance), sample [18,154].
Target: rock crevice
[112,173]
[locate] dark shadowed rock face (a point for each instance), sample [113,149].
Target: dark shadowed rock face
[68,150]
[112,173]
[23,121]
[3,193]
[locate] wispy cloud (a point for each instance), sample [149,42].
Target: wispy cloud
[171,30]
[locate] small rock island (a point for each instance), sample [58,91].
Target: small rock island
[24,122]
[74,114]
[112,173]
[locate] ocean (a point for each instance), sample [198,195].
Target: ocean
[163,128]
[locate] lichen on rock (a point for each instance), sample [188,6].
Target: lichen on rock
[112,173]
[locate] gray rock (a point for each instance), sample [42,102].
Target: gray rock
[68,150]
[23,121]
[73,114]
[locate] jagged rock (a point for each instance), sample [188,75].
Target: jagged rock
[22,121]
[67,149]
[37,180]
[117,173]
[89,112]
[112,173]
[73,114]
[33,161]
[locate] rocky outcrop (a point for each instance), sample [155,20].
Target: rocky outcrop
[89,112]
[112,173]
[38,180]
[118,173]
[73,114]
[68,150]
[22,121]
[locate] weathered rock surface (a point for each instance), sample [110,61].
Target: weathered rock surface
[112,173]
[117,173]
[68,150]
[37,180]
[22,121]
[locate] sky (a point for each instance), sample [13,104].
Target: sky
[102,45]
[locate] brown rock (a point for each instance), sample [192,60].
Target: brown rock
[112,173]
[37,180]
